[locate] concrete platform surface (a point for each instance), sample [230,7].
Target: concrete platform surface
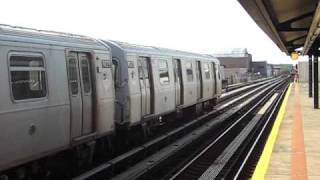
[296,152]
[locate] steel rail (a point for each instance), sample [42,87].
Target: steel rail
[183,172]
[239,85]
[219,163]
[148,166]
[114,166]
[264,131]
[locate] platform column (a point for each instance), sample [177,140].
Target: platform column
[310,75]
[315,82]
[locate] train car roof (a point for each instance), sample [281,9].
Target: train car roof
[135,48]
[22,34]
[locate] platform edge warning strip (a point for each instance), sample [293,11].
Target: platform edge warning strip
[263,163]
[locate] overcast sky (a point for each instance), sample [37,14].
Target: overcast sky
[203,26]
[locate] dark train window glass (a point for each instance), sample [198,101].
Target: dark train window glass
[140,70]
[198,66]
[22,61]
[189,71]
[206,70]
[163,72]
[175,69]
[114,70]
[28,78]
[218,72]
[145,68]
[85,69]
[73,76]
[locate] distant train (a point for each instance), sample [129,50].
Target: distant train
[62,92]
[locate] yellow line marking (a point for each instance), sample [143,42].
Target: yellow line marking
[263,163]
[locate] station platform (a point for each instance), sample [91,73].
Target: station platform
[292,150]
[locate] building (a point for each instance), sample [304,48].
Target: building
[236,64]
[276,69]
[260,68]
[269,70]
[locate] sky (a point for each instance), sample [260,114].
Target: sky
[201,26]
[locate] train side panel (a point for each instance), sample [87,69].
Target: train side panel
[161,95]
[189,81]
[104,86]
[34,109]
[163,79]
[208,88]
[134,90]
[219,82]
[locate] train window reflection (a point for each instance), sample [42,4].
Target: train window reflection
[206,70]
[73,76]
[189,71]
[163,72]
[85,69]
[28,79]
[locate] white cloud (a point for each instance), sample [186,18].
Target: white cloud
[203,26]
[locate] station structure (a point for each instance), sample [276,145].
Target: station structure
[292,149]
[222,139]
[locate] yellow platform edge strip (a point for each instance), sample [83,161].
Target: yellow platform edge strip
[263,163]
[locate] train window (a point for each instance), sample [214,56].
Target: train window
[206,70]
[163,72]
[114,70]
[218,72]
[28,77]
[85,69]
[145,69]
[140,70]
[189,71]
[73,76]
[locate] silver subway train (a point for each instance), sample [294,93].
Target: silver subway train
[63,92]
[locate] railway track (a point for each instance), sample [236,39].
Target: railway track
[239,85]
[152,153]
[237,91]
[238,143]
[251,153]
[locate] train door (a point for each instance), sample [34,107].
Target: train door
[213,65]
[178,82]
[79,77]
[199,80]
[145,85]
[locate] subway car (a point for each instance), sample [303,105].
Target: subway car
[152,82]
[64,96]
